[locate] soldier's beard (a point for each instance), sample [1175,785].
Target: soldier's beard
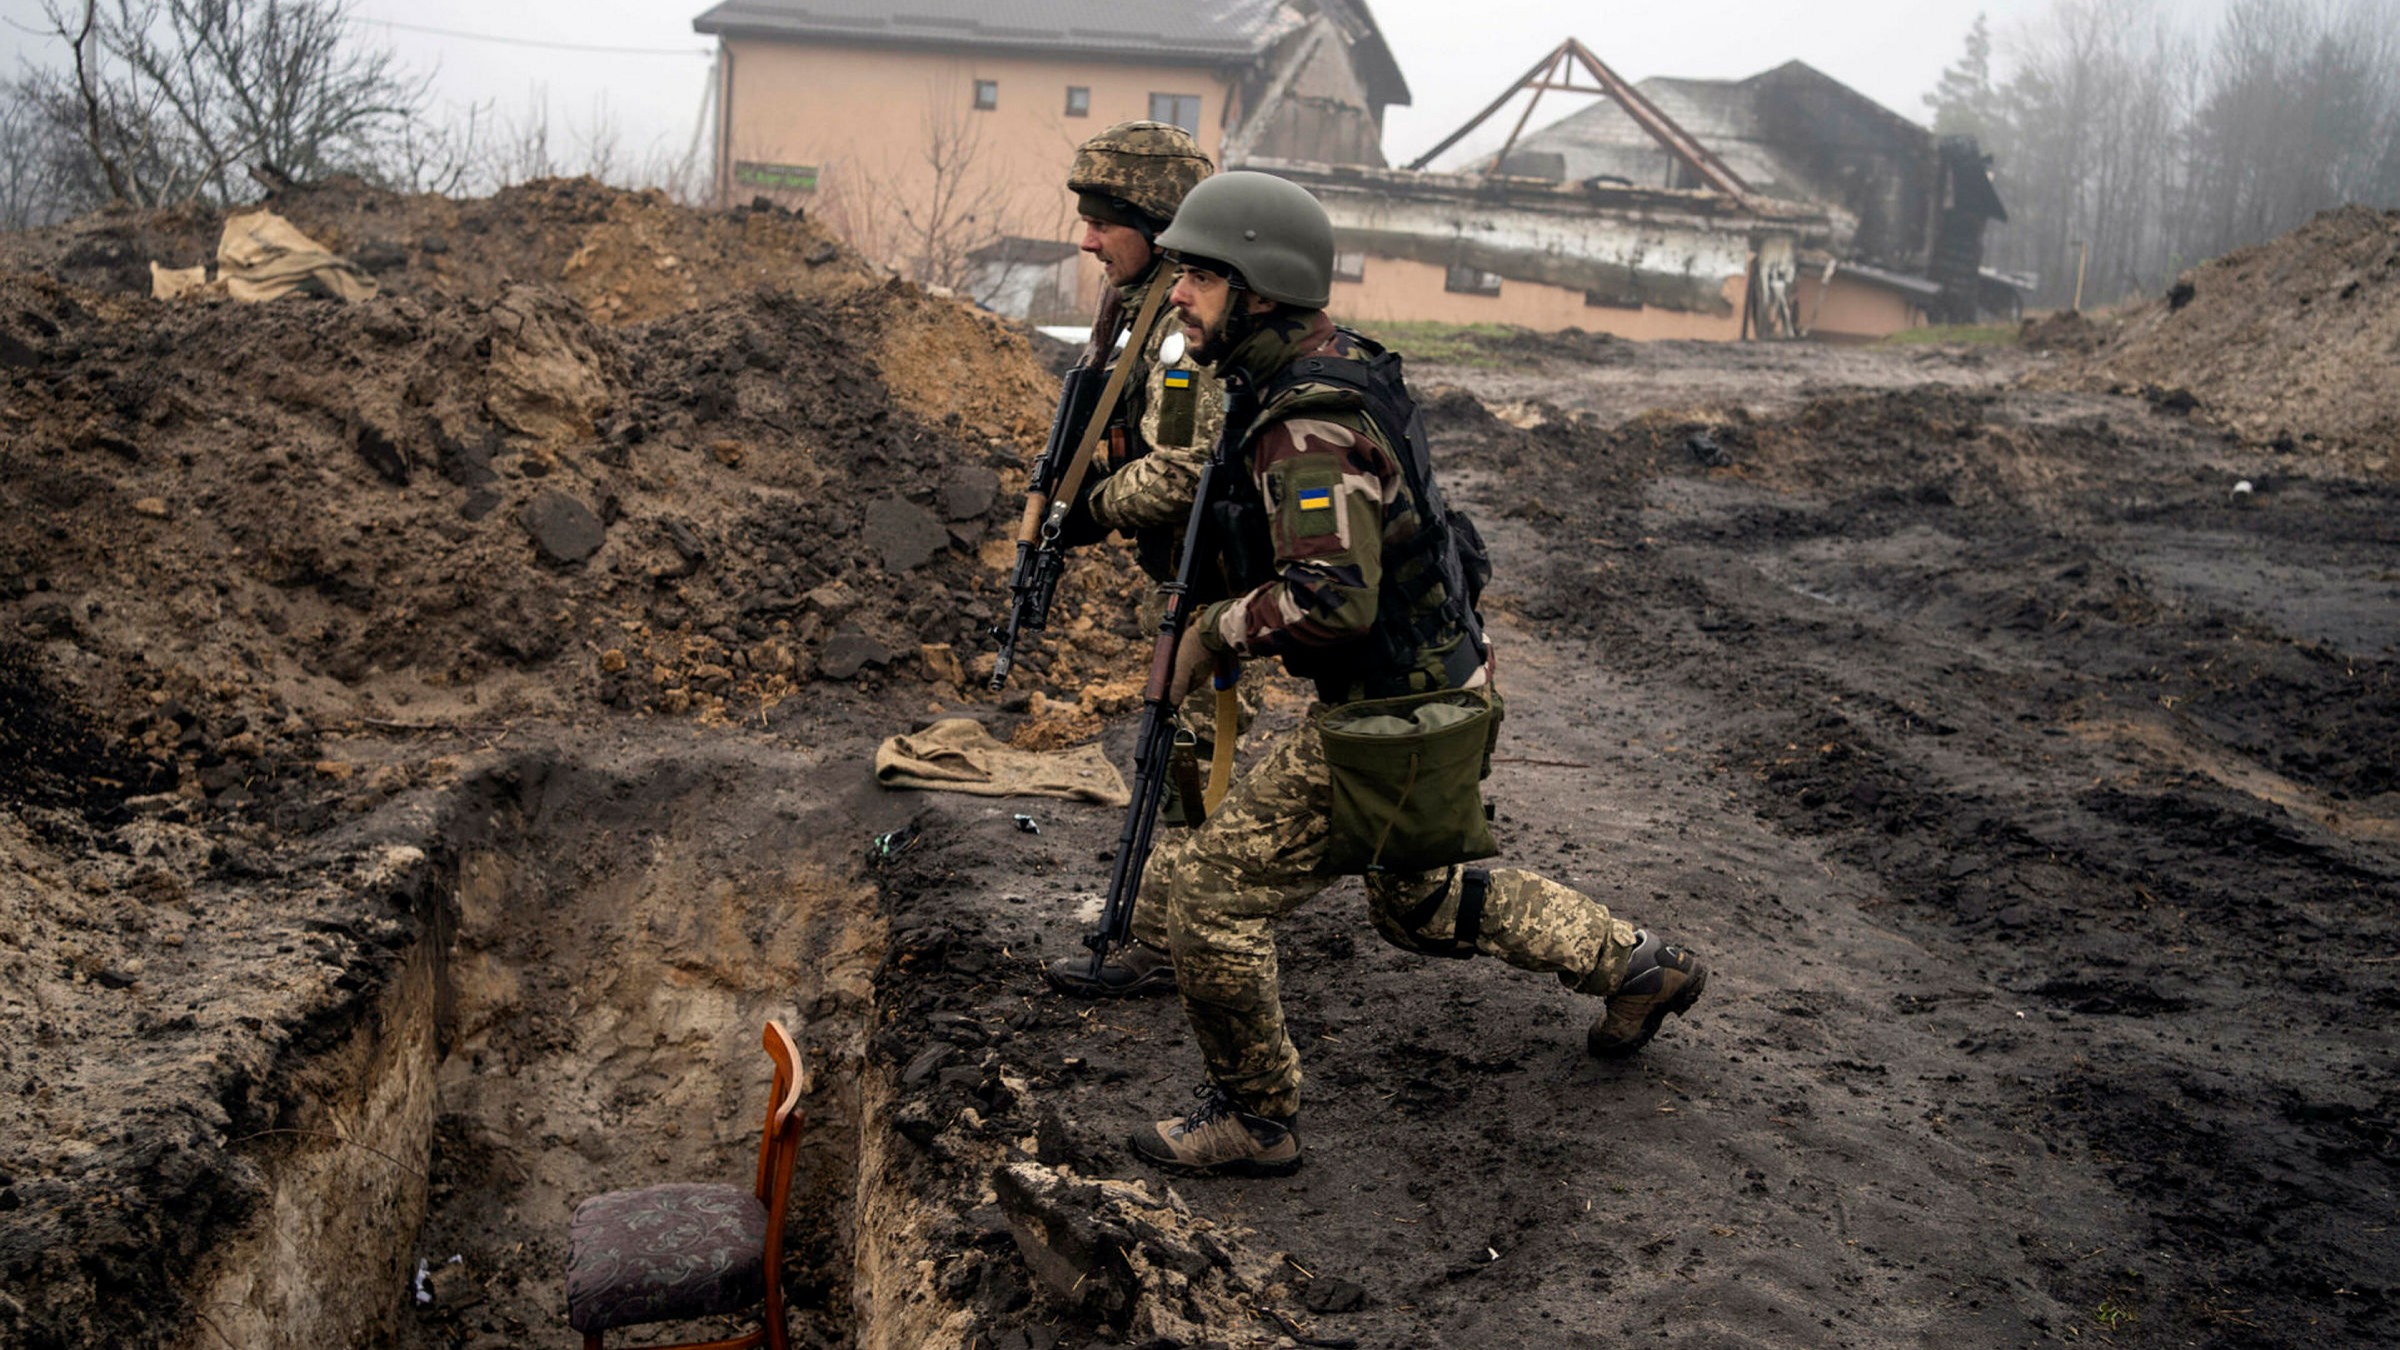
[1218,339]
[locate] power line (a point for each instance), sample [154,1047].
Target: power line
[535,42]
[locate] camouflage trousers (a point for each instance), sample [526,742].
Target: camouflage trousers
[1198,715]
[1260,856]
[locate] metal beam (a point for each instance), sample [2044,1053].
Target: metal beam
[1662,128]
[1532,73]
[1545,75]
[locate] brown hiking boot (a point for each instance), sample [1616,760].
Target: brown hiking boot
[1220,1139]
[1129,971]
[1660,979]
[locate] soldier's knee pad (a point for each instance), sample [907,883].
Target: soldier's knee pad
[1420,927]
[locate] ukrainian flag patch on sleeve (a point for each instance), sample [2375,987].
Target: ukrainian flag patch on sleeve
[1308,493]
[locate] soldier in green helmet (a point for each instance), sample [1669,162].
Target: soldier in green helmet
[1349,573]
[1128,181]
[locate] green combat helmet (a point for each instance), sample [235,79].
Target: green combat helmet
[1147,166]
[1268,229]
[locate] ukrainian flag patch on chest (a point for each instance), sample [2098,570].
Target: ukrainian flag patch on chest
[1316,499]
[1179,379]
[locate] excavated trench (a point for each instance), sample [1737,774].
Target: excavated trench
[599,939]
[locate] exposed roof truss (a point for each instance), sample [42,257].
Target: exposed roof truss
[1558,72]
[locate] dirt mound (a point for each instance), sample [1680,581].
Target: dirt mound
[472,497]
[2294,343]
[2066,330]
[625,257]
[589,457]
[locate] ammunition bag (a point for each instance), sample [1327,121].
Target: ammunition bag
[1406,777]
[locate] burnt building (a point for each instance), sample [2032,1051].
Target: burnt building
[1913,207]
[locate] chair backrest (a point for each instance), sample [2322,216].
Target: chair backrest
[779,1142]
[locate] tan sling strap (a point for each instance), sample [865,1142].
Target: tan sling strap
[1229,730]
[1029,530]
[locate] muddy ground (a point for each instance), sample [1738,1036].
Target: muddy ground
[2032,795]
[2029,788]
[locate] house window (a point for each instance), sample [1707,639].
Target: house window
[1349,264]
[1181,109]
[1471,281]
[987,95]
[1079,101]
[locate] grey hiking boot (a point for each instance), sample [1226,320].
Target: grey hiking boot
[1659,979]
[1220,1139]
[1130,971]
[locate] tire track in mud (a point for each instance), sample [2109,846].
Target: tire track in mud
[1939,695]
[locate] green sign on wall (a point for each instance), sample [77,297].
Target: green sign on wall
[775,177]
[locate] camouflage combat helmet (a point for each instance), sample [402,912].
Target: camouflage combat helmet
[1148,166]
[1268,229]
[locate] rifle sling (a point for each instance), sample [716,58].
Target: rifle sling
[1220,768]
[1072,481]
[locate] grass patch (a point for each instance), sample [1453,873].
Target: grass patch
[1449,344]
[2113,1316]
[1956,335]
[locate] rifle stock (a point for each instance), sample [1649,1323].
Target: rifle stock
[1041,559]
[1058,476]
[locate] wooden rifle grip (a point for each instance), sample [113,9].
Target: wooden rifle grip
[1162,661]
[1029,530]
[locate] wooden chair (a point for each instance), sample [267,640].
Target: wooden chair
[682,1251]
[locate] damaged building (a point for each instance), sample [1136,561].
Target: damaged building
[1784,205]
[934,134]
[1906,210]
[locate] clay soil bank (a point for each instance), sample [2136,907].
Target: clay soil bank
[2028,787]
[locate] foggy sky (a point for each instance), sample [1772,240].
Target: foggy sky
[1890,50]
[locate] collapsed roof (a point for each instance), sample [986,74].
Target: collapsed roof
[1792,132]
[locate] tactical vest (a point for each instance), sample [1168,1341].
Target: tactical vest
[1431,584]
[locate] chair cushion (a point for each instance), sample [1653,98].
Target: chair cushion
[664,1253]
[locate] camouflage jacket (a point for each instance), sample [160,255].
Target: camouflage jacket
[1336,503]
[1173,415]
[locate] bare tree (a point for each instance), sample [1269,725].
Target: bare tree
[445,156]
[479,149]
[929,219]
[176,100]
[2124,139]
[34,160]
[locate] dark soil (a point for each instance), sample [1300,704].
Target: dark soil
[2027,786]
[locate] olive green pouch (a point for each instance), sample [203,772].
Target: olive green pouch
[1406,773]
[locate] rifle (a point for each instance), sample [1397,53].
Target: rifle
[1040,560]
[1084,407]
[1154,744]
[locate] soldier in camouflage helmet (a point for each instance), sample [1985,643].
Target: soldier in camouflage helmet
[1337,518]
[1128,182]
